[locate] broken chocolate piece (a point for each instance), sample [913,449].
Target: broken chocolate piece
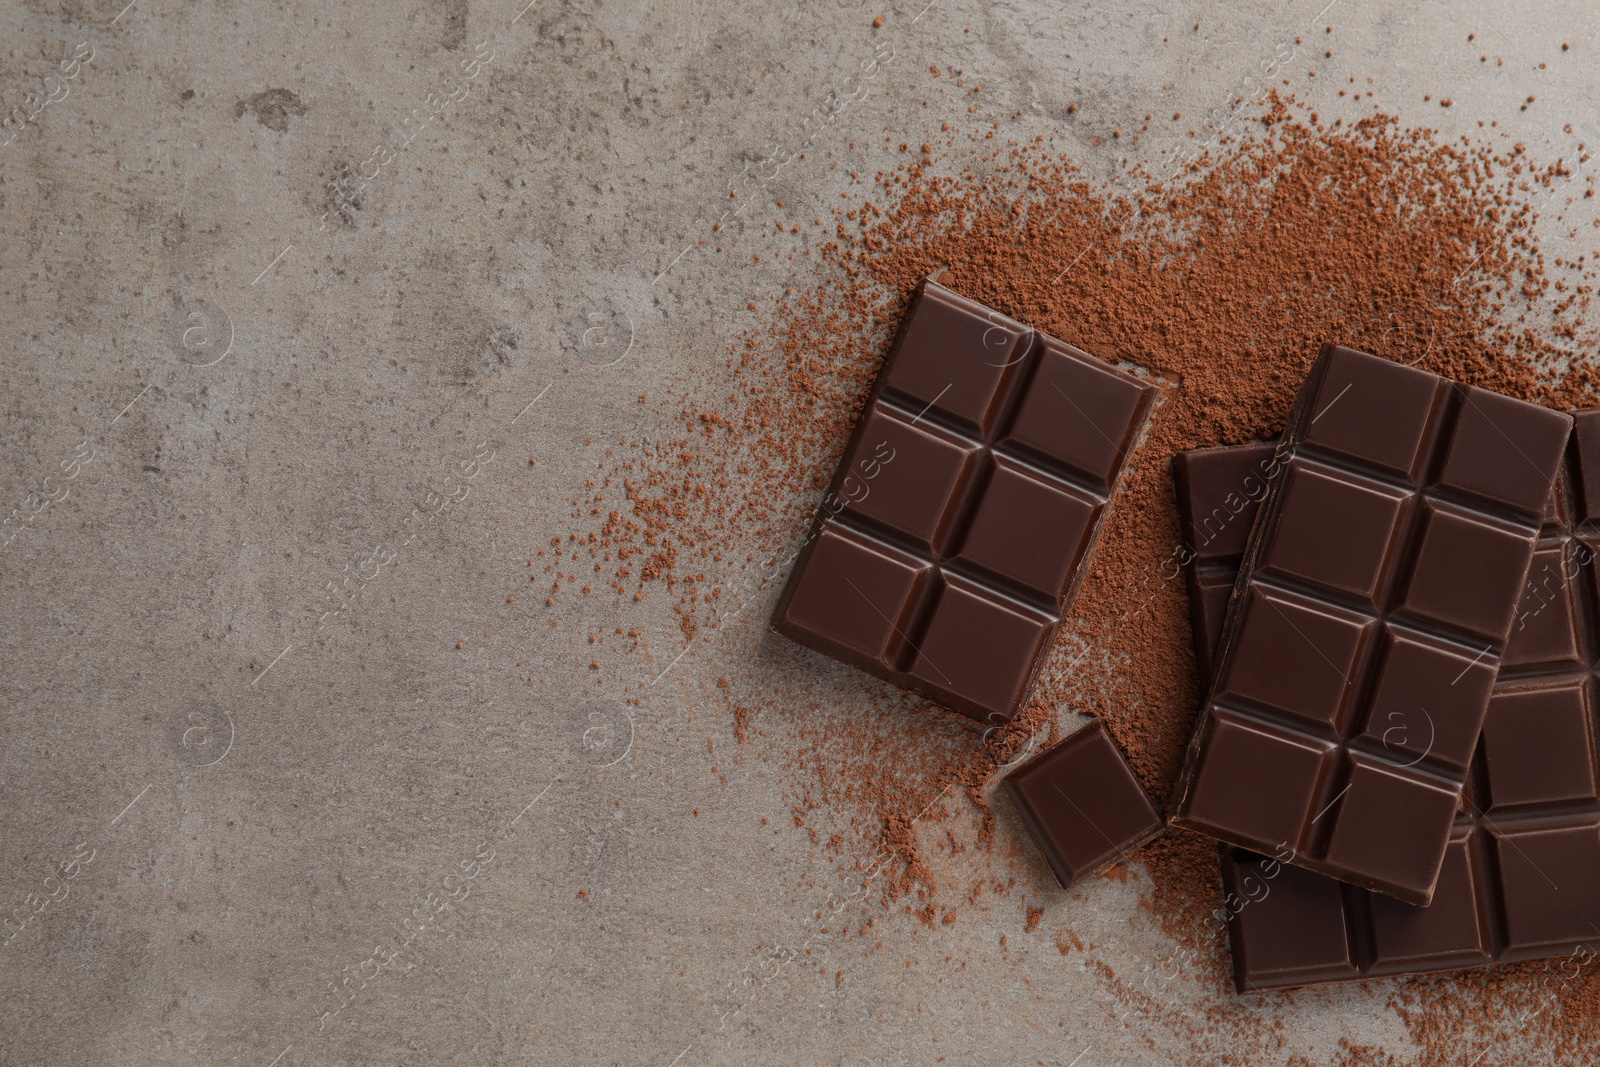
[962,519]
[1082,804]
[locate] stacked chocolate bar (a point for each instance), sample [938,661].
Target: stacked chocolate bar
[1396,618]
[1519,876]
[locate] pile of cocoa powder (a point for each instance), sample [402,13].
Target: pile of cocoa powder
[1221,284]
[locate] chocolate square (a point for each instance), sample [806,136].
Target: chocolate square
[1545,630]
[1455,546]
[961,358]
[1550,878]
[1031,530]
[919,471]
[1294,658]
[1500,452]
[1079,413]
[979,647]
[1233,482]
[1082,804]
[858,595]
[1450,932]
[1370,411]
[1390,826]
[1538,747]
[1298,930]
[1429,702]
[1334,531]
[1257,780]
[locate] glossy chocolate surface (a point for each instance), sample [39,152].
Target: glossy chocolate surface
[1082,804]
[1219,491]
[1361,642]
[1521,872]
[960,522]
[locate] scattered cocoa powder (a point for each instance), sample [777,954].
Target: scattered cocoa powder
[910,874]
[1220,284]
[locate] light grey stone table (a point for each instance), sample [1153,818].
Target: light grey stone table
[275,279]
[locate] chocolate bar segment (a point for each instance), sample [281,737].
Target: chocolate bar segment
[1219,492]
[1520,877]
[1374,600]
[1082,804]
[960,522]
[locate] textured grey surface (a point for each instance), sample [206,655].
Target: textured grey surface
[246,730]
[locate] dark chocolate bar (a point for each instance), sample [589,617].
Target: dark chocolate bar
[1375,595]
[1521,872]
[1082,804]
[969,500]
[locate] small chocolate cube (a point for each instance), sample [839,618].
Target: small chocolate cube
[1083,805]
